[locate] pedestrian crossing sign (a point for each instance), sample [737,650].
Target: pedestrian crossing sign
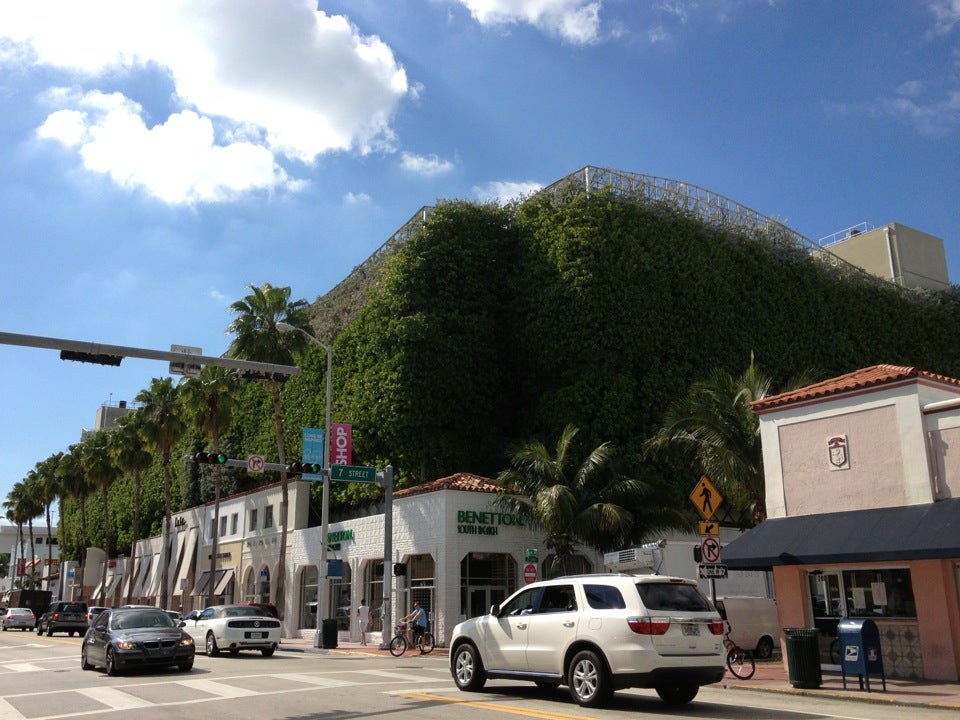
[706,498]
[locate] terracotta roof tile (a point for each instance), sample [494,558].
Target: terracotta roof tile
[856,380]
[459,481]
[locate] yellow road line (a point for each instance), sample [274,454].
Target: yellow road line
[509,709]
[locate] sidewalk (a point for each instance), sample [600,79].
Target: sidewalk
[771,676]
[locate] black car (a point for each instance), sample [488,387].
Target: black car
[63,616]
[122,638]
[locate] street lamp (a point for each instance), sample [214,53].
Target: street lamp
[322,590]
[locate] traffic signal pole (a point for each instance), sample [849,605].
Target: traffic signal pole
[113,354]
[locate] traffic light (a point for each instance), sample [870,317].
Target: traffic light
[303,467]
[697,554]
[213,458]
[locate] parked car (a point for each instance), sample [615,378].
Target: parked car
[63,616]
[93,611]
[123,638]
[233,628]
[22,618]
[596,634]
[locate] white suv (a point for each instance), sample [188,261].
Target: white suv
[596,634]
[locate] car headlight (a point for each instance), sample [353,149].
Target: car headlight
[125,645]
[186,641]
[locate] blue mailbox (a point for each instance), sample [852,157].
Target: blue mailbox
[860,654]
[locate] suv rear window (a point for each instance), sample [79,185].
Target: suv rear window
[672,596]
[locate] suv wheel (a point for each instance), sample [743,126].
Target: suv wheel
[468,671]
[39,629]
[589,683]
[678,694]
[49,630]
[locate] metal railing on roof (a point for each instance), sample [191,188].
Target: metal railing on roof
[706,205]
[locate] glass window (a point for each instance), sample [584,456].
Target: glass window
[521,603]
[604,597]
[268,517]
[253,518]
[558,598]
[658,596]
[882,592]
[223,526]
[233,524]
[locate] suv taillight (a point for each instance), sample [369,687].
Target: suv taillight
[649,625]
[56,616]
[717,627]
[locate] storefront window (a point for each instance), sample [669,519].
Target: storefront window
[308,597]
[883,592]
[340,598]
[373,582]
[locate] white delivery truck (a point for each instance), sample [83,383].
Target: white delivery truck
[753,622]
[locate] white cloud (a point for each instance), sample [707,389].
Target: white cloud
[576,21]
[504,191]
[254,81]
[946,14]
[426,165]
[357,199]
[934,118]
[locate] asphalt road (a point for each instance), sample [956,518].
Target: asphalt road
[41,679]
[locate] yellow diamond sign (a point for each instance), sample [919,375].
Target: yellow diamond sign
[706,498]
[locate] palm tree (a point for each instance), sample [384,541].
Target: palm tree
[30,507]
[592,503]
[129,451]
[162,427]
[101,472]
[48,491]
[714,430]
[73,483]
[259,339]
[15,512]
[209,400]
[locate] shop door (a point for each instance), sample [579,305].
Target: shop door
[482,597]
[826,598]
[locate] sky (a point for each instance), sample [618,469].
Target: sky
[158,158]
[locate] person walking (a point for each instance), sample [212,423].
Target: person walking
[363,617]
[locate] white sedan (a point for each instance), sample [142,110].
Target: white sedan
[232,628]
[22,618]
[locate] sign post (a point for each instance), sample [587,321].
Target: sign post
[706,499]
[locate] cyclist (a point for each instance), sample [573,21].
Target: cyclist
[417,626]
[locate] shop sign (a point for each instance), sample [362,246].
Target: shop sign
[470,522]
[339,536]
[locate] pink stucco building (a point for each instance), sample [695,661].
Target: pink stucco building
[863,499]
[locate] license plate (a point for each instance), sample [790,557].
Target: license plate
[257,635]
[690,629]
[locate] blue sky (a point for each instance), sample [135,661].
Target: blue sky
[157,158]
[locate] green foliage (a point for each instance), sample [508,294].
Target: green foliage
[496,326]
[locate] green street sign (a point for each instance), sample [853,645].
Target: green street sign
[353,473]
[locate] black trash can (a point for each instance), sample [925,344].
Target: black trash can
[329,634]
[803,657]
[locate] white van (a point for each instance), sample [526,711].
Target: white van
[753,623]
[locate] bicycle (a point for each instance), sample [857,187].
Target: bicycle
[398,645]
[739,661]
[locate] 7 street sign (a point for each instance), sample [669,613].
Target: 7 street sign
[713,571]
[353,473]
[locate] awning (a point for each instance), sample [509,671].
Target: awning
[202,584]
[186,561]
[223,582]
[913,532]
[143,573]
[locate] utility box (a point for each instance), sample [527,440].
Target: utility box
[860,651]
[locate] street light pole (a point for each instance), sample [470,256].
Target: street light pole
[322,589]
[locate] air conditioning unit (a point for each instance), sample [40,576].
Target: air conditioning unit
[646,558]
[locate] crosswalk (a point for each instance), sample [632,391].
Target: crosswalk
[182,690]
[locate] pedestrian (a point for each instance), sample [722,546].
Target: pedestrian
[363,617]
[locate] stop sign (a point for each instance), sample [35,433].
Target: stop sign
[529,573]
